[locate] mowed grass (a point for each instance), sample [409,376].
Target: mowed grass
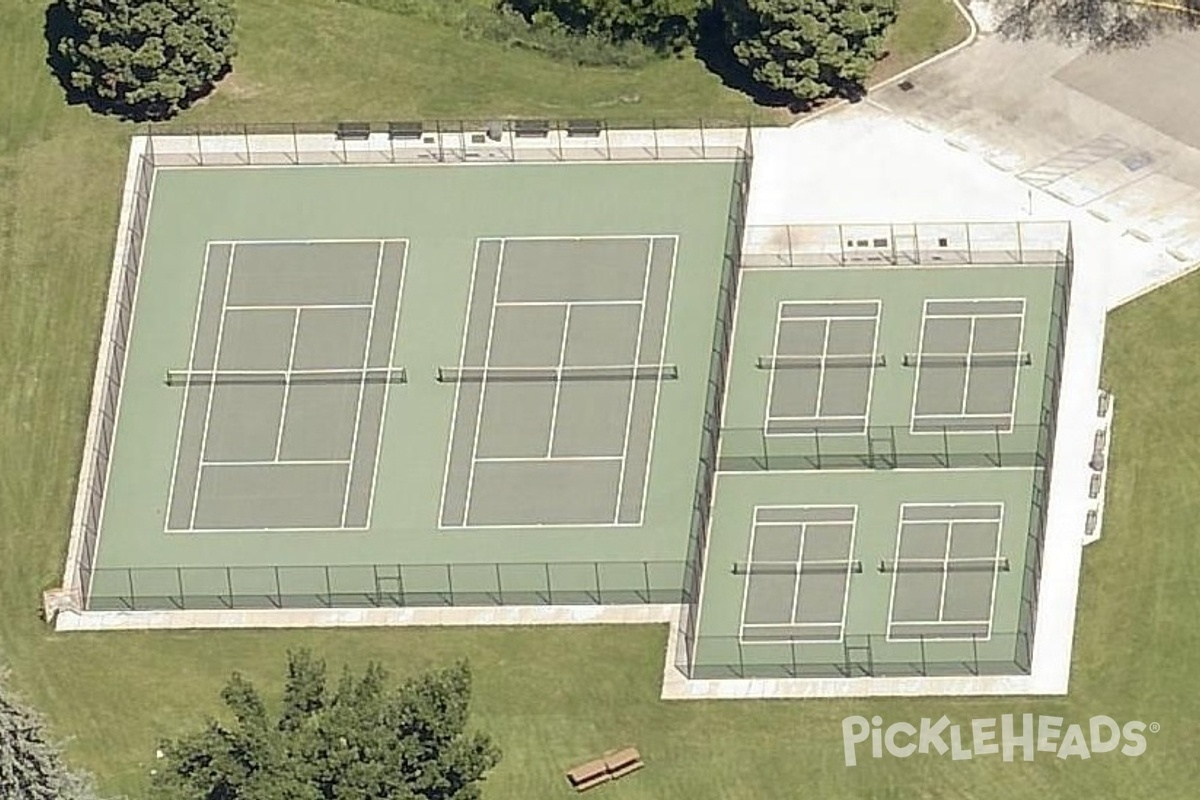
[550,697]
[923,28]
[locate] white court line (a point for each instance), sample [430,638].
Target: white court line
[300,306]
[534,303]
[1017,377]
[462,358]
[774,357]
[796,582]
[487,358]
[945,570]
[637,359]
[294,241]
[540,459]
[362,386]
[213,392]
[287,383]
[299,462]
[388,386]
[962,408]
[558,382]
[187,388]
[895,574]
[996,572]
[662,354]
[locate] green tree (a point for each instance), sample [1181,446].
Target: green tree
[359,740]
[31,766]
[662,24]
[809,49]
[142,59]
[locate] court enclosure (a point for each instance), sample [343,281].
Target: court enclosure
[370,383]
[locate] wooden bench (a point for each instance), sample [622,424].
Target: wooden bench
[614,764]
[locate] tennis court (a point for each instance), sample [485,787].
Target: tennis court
[558,384]
[287,378]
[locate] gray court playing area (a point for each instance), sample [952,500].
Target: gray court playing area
[556,392]
[945,570]
[968,362]
[822,367]
[798,575]
[285,387]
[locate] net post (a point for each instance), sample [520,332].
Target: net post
[229,587]
[278,587]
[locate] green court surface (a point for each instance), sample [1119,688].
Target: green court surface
[881,472]
[413,385]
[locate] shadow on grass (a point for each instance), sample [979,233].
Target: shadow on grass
[61,27]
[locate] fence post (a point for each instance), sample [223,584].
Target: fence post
[970,252]
[229,586]
[703,148]
[599,591]
[278,588]
[549,586]
[499,587]
[975,652]
[450,576]
[842,244]
[246,140]
[646,575]
[1020,245]
[132,593]
[179,583]
[328,589]
[924,663]
[295,144]
[999,451]
[946,445]
[400,584]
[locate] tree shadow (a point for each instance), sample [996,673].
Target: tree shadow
[715,52]
[61,26]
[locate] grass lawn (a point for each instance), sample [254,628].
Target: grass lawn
[922,29]
[550,697]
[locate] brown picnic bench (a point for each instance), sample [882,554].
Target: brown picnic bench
[612,765]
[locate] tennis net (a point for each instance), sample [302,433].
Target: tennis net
[965,360]
[182,377]
[945,565]
[829,567]
[555,374]
[821,362]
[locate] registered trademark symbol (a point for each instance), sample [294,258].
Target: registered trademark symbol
[1155,727]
